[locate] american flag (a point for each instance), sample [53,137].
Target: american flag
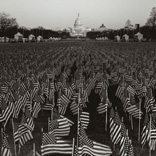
[4,89]
[84,97]
[27,112]
[59,127]
[29,105]
[87,146]
[128,78]
[120,92]
[84,119]
[138,87]
[126,104]
[15,131]
[22,133]
[149,103]
[149,133]
[36,109]
[25,135]
[19,104]
[131,90]
[115,127]
[130,149]
[57,145]
[29,123]
[152,82]
[51,91]
[35,89]
[5,150]
[64,101]
[124,146]
[99,87]
[48,139]
[48,106]
[3,102]
[144,133]
[33,153]
[105,103]
[69,92]
[102,108]
[5,116]
[134,111]
[74,107]
[152,133]
[134,83]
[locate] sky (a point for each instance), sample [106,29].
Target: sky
[52,14]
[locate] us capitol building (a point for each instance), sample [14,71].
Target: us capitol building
[79,29]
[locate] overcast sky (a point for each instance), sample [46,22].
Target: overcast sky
[93,13]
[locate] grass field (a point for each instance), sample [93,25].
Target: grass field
[96,129]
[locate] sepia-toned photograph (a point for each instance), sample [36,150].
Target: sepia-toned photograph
[77,77]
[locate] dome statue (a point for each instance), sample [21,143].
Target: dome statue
[78,26]
[79,30]
[78,23]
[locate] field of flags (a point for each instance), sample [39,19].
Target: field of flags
[78,98]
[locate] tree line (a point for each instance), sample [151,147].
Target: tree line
[9,26]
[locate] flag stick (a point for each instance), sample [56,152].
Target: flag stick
[48,123]
[131,121]
[34,150]
[59,106]
[129,117]
[78,116]
[52,113]
[150,136]
[140,100]
[73,146]
[48,88]
[19,149]
[115,108]
[1,137]
[106,111]
[3,126]
[127,132]
[113,147]
[106,121]
[31,103]
[13,137]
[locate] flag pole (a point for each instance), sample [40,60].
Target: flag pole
[19,149]
[150,136]
[106,111]
[59,100]
[34,150]
[13,138]
[78,116]
[140,100]
[131,118]
[1,137]
[48,123]
[53,104]
[73,146]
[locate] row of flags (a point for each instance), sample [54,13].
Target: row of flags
[119,134]
[34,89]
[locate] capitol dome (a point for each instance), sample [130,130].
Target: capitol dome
[79,30]
[78,23]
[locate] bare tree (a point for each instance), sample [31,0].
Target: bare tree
[128,24]
[151,21]
[40,27]
[6,22]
